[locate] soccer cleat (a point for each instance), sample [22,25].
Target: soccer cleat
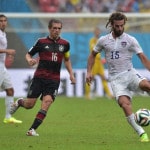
[14,106]
[32,132]
[144,138]
[11,120]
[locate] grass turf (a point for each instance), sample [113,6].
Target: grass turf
[75,124]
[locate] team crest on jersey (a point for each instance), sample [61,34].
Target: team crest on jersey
[61,48]
[123,44]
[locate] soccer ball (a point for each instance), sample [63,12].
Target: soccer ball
[142,117]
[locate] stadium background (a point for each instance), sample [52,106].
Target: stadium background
[24,31]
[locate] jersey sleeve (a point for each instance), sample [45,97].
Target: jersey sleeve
[98,47]
[34,49]
[136,46]
[67,50]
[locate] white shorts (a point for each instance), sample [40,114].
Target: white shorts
[126,83]
[5,80]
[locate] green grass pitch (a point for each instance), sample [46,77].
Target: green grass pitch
[75,124]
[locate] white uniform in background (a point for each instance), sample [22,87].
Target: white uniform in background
[5,79]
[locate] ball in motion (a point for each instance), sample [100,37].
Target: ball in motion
[142,117]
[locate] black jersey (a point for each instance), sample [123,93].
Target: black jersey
[51,54]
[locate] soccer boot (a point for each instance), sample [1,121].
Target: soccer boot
[11,120]
[144,138]
[14,106]
[32,132]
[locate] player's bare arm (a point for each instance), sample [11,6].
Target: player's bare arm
[69,69]
[8,51]
[144,60]
[67,63]
[90,64]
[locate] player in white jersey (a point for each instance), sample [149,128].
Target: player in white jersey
[5,80]
[119,48]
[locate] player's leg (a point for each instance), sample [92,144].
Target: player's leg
[145,86]
[9,99]
[46,103]
[87,91]
[47,98]
[125,104]
[21,102]
[31,97]
[123,97]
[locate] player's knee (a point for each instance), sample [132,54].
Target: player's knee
[145,85]
[10,92]
[124,102]
[48,102]
[29,105]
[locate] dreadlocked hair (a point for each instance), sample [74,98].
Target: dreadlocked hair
[116,16]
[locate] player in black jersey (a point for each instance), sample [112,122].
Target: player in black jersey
[52,50]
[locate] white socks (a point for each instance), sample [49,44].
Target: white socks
[8,101]
[136,127]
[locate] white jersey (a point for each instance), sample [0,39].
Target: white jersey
[5,79]
[3,45]
[118,52]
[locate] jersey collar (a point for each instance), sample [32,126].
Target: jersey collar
[53,39]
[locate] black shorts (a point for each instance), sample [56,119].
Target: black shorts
[42,87]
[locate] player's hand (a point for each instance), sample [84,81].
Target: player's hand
[72,79]
[89,78]
[32,61]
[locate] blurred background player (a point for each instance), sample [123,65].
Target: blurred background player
[98,68]
[5,80]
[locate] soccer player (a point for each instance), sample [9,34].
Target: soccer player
[5,79]
[98,68]
[52,50]
[119,48]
